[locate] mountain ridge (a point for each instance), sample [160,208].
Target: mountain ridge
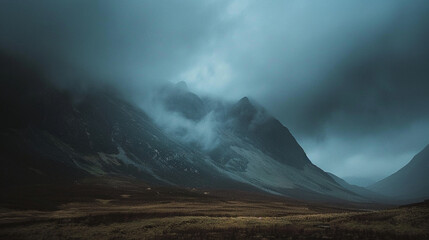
[101,134]
[409,182]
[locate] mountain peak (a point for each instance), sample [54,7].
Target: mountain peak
[426,149]
[179,99]
[182,85]
[244,111]
[244,100]
[244,104]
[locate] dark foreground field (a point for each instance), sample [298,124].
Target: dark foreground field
[117,209]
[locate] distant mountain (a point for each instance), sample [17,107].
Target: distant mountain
[364,192]
[360,181]
[410,182]
[50,136]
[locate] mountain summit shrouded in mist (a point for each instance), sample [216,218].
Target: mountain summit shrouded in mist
[102,134]
[183,140]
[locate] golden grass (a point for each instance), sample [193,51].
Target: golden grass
[131,211]
[199,220]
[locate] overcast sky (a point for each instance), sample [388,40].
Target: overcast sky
[350,79]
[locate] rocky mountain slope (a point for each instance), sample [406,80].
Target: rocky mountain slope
[49,135]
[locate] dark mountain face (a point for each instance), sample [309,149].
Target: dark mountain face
[29,107]
[245,114]
[268,133]
[410,182]
[178,99]
[49,136]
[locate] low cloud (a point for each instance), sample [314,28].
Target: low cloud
[202,133]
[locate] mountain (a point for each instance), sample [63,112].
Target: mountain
[257,149]
[52,136]
[268,134]
[360,181]
[410,182]
[249,145]
[178,99]
[364,192]
[49,135]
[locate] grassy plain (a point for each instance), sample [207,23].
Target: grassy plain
[124,210]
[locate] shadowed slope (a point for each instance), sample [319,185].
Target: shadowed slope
[410,182]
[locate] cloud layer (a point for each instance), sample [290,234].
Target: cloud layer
[350,79]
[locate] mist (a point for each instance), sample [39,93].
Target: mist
[348,78]
[202,132]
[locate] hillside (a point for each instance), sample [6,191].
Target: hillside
[408,183]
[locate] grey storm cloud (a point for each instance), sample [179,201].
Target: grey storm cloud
[131,44]
[350,79]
